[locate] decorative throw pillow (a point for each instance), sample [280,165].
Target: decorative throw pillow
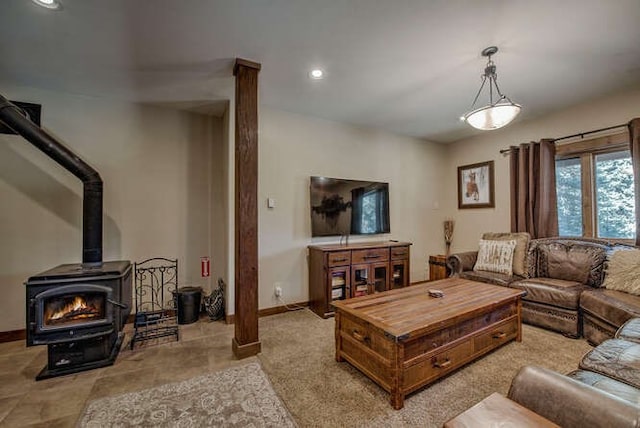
[520,265]
[495,256]
[623,272]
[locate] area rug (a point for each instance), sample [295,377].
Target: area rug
[236,397]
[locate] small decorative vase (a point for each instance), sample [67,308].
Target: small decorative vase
[448,235]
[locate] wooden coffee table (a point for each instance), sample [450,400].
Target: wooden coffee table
[405,339]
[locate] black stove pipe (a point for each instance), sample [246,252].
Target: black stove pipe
[16,119]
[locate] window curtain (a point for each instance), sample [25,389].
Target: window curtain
[533,189]
[634,145]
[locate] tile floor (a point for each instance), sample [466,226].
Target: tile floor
[204,346]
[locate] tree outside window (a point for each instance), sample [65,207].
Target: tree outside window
[595,189]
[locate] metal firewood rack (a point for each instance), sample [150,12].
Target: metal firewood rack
[156,285]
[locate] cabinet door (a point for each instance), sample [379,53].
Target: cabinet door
[399,274]
[369,278]
[380,275]
[360,275]
[339,284]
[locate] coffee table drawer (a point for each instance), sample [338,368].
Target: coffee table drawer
[366,337]
[497,335]
[370,256]
[437,365]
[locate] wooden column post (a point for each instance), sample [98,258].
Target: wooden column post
[246,342]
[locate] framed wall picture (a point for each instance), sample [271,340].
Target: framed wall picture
[475,185]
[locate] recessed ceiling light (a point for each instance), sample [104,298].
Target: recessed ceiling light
[316,73]
[49,4]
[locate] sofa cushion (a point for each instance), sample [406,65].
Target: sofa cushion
[614,307]
[551,291]
[622,271]
[570,260]
[630,331]
[616,358]
[607,384]
[519,253]
[495,256]
[488,277]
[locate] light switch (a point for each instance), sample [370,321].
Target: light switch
[271,203]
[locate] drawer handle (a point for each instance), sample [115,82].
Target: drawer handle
[359,337]
[372,257]
[344,259]
[442,365]
[499,335]
[399,254]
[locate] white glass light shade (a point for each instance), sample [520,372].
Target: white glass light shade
[49,4]
[492,116]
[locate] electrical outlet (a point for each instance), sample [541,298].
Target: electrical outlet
[277,291]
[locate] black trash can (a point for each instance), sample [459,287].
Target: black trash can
[188,302]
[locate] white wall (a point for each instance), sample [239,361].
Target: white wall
[293,147]
[159,182]
[471,223]
[169,174]
[228,177]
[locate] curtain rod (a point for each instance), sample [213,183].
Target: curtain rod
[581,135]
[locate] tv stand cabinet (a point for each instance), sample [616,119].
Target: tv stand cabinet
[338,272]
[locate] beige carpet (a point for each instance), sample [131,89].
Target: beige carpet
[298,356]
[236,397]
[297,367]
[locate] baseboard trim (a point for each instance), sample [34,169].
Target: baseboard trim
[230,319]
[12,336]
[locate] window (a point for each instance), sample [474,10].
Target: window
[594,185]
[569,193]
[615,204]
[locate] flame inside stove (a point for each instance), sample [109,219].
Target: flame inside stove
[72,309]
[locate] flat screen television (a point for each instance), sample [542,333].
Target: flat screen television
[348,207]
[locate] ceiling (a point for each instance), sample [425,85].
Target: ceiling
[410,67]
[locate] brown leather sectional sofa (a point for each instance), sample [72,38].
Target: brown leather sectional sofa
[603,392]
[571,403]
[563,281]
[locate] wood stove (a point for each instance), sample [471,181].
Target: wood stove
[77,310]
[78,313]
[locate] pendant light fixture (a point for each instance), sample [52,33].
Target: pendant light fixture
[497,113]
[49,4]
